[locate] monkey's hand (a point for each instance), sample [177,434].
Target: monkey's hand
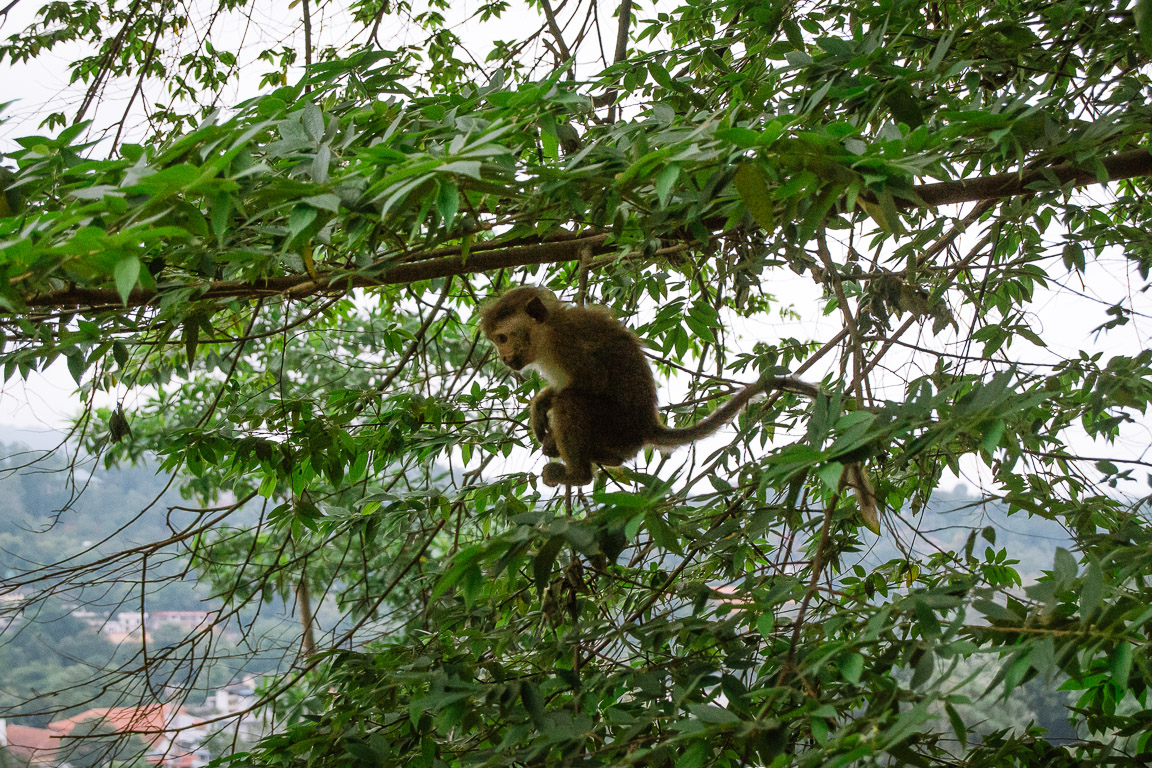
[541,406]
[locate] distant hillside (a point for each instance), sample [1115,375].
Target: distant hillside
[56,645]
[950,518]
[49,511]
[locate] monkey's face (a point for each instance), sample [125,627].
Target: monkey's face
[513,341]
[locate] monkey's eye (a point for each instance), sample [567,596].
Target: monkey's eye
[501,338]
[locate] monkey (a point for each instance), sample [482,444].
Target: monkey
[600,405]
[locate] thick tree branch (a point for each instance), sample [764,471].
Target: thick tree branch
[1126,165]
[624,22]
[569,246]
[307,621]
[299,286]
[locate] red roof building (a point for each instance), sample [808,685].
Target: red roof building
[156,724]
[148,722]
[36,745]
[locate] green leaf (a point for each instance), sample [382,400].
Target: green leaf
[1064,566]
[299,222]
[76,363]
[313,120]
[119,352]
[665,179]
[550,143]
[706,713]
[191,337]
[623,500]
[325,202]
[460,564]
[744,138]
[957,722]
[830,473]
[447,202]
[127,272]
[992,435]
[661,76]
[751,183]
[1143,17]
[851,667]
[924,669]
[267,486]
[533,704]
[1043,657]
[1017,671]
[1074,254]
[360,751]
[472,584]
[632,528]
[1120,664]
[694,756]
[902,103]
[995,611]
[359,468]
[700,328]
[545,559]
[463,168]
[1091,592]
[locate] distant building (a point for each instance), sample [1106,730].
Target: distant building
[36,745]
[124,626]
[165,728]
[174,737]
[130,626]
[186,620]
[93,619]
[247,724]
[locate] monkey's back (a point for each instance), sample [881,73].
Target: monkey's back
[605,360]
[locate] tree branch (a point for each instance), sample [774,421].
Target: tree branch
[1126,165]
[298,286]
[567,246]
[554,28]
[622,31]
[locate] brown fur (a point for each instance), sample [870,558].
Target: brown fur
[600,405]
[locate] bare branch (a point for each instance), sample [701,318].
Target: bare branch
[554,28]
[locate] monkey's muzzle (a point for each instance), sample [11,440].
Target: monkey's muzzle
[514,361]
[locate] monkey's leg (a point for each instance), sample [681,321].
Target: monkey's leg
[541,406]
[573,422]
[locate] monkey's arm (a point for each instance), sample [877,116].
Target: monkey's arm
[538,414]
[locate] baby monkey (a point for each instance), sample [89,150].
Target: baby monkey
[600,403]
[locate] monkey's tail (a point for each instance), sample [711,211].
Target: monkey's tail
[666,437]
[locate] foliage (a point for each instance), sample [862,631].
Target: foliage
[890,198]
[9,760]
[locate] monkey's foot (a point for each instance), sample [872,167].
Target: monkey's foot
[548,446]
[554,474]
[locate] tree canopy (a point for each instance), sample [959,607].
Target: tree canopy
[937,212]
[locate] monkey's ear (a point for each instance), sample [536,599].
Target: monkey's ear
[536,310]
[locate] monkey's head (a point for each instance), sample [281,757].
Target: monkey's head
[513,323]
